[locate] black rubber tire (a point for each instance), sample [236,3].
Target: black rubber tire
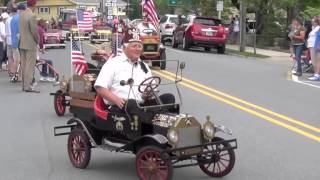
[185,43]
[59,103]
[163,64]
[228,167]
[174,44]
[207,49]
[79,137]
[221,49]
[143,153]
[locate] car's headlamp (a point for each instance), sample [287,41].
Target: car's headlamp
[173,135]
[208,129]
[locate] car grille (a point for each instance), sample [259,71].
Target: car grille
[150,47]
[189,136]
[52,40]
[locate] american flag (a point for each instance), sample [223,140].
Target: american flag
[118,53]
[150,9]
[77,58]
[84,21]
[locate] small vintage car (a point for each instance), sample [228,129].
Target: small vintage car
[54,38]
[168,140]
[75,33]
[68,89]
[101,35]
[153,49]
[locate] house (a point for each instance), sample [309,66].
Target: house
[47,9]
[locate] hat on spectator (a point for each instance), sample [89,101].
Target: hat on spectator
[31,2]
[5,15]
[21,6]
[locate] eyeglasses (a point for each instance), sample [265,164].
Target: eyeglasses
[135,45]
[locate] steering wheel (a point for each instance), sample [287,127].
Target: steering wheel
[148,86]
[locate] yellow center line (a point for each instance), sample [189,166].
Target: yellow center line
[294,121]
[272,120]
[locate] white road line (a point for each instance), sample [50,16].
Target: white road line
[171,49]
[296,79]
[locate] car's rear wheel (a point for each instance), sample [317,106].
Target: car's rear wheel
[152,164]
[207,49]
[174,44]
[217,163]
[79,148]
[221,49]
[59,103]
[185,43]
[163,63]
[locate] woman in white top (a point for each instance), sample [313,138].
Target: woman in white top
[311,43]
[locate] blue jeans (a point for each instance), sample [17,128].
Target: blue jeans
[297,50]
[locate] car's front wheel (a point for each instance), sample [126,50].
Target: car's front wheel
[218,160]
[151,163]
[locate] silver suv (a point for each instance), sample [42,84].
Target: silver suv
[167,24]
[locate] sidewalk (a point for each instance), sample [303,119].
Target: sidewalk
[271,53]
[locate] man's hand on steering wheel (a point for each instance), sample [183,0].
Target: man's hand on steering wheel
[148,86]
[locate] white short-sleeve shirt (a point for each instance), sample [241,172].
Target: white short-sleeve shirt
[121,68]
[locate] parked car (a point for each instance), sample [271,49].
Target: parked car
[206,32]
[167,24]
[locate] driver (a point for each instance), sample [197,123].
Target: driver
[145,24]
[122,98]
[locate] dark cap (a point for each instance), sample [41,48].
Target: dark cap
[31,2]
[21,7]
[130,36]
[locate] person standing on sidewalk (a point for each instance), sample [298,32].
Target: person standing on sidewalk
[297,42]
[311,45]
[28,45]
[316,76]
[2,42]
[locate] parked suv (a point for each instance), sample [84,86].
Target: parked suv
[201,31]
[167,24]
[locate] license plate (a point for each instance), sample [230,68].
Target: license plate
[209,33]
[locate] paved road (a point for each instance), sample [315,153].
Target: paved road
[270,147]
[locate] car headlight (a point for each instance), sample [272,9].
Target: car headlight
[208,129]
[173,135]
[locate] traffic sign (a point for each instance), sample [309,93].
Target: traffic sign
[219,5]
[174,2]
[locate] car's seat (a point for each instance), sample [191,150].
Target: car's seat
[100,109]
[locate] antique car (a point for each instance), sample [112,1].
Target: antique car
[167,140]
[74,32]
[100,35]
[69,87]
[153,49]
[54,38]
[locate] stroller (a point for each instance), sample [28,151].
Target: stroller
[306,64]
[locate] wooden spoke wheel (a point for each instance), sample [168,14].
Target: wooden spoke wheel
[151,166]
[59,103]
[79,148]
[219,163]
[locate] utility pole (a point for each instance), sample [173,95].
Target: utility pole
[243,16]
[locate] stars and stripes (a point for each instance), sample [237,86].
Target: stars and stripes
[84,21]
[77,58]
[149,8]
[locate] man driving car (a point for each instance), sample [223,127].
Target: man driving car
[119,79]
[144,25]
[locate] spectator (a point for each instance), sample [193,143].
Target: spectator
[145,24]
[2,43]
[311,45]
[28,45]
[236,30]
[15,39]
[316,76]
[297,37]
[44,75]
[9,42]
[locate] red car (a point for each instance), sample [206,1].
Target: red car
[201,31]
[54,38]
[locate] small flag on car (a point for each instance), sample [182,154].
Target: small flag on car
[77,58]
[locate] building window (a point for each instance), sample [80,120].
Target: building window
[82,7]
[43,10]
[59,10]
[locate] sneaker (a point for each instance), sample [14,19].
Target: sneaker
[43,78]
[297,73]
[51,79]
[293,71]
[314,78]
